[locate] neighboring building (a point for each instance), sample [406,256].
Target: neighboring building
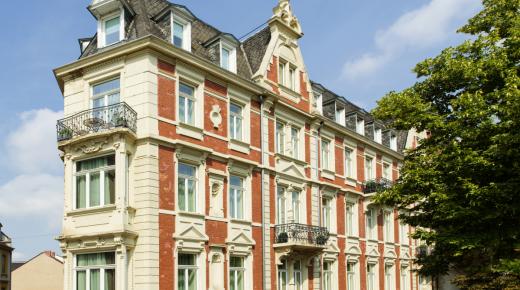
[43,272]
[194,161]
[6,254]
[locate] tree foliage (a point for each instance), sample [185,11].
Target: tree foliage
[462,184]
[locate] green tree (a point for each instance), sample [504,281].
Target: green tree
[462,184]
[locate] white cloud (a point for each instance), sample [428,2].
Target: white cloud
[31,148]
[36,188]
[424,27]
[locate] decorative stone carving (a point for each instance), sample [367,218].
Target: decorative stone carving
[215,116]
[284,12]
[216,206]
[92,146]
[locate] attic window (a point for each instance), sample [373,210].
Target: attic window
[111,29]
[228,56]
[287,76]
[181,32]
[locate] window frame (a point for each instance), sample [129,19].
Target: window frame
[235,271]
[328,275]
[232,57]
[105,95]
[102,172]
[281,205]
[371,233]
[102,28]
[387,170]
[388,227]
[350,218]
[371,276]
[298,275]
[369,171]
[238,189]
[280,137]
[102,269]
[349,161]
[296,205]
[187,99]
[295,142]
[325,153]
[326,212]
[283,269]
[389,277]
[233,117]
[186,269]
[195,180]
[351,275]
[186,35]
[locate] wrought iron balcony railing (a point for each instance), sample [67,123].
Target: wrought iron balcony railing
[97,120]
[302,234]
[376,185]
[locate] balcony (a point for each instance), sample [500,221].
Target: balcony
[97,120]
[300,236]
[376,185]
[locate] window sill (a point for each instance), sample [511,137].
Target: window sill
[191,214]
[290,158]
[239,146]
[93,210]
[351,181]
[242,222]
[292,94]
[190,131]
[328,174]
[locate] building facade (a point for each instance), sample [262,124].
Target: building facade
[42,272]
[6,254]
[194,160]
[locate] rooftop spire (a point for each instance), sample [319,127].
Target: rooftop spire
[283,12]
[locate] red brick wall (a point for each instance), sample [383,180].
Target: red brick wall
[166,178]
[166,91]
[209,102]
[342,269]
[255,130]
[166,246]
[257,259]
[340,213]
[272,71]
[339,158]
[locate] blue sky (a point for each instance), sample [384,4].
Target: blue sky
[359,49]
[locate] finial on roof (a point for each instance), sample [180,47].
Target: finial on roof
[284,13]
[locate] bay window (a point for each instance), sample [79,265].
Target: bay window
[95,271]
[187,188]
[95,182]
[236,197]
[187,272]
[186,104]
[236,273]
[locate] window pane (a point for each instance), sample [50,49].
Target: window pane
[182,193]
[237,110]
[181,285]
[232,204]
[110,279]
[225,58]
[178,34]
[238,128]
[95,163]
[189,91]
[112,31]
[236,262]
[192,279]
[187,260]
[240,214]
[104,88]
[232,280]
[110,187]
[191,112]
[94,279]
[95,189]
[81,280]
[240,280]
[81,191]
[191,196]
[182,109]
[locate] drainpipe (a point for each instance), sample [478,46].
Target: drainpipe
[261,97]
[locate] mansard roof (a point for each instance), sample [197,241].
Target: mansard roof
[332,100]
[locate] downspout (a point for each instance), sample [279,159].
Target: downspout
[261,97]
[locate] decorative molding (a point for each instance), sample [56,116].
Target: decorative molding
[92,146]
[215,116]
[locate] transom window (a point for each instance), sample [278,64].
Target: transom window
[187,188]
[186,104]
[371,276]
[325,154]
[280,137]
[235,121]
[326,212]
[95,271]
[327,275]
[295,142]
[236,273]
[106,93]
[95,182]
[236,197]
[112,29]
[187,272]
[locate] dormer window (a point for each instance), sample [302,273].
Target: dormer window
[378,136]
[318,98]
[181,32]
[228,56]
[360,127]
[287,75]
[340,116]
[393,142]
[111,29]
